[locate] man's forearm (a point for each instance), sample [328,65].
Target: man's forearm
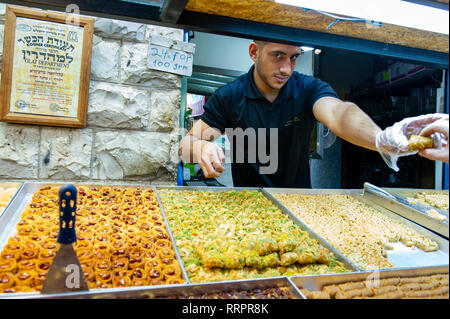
[203,152]
[192,143]
[189,147]
[356,127]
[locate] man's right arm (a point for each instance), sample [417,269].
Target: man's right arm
[198,147]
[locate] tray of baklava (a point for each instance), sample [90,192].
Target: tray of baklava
[264,288]
[123,239]
[427,207]
[368,234]
[226,234]
[413,283]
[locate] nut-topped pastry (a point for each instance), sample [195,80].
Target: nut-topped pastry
[118,231]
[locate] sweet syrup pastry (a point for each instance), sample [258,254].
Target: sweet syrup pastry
[121,240]
[435,199]
[229,235]
[417,142]
[416,287]
[265,293]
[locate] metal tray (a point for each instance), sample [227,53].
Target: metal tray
[401,256]
[396,200]
[7,185]
[312,234]
[12,215]
[172,291]
[319,281]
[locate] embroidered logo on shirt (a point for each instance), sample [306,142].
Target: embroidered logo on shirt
[290,122]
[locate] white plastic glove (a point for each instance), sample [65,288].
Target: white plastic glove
[438,152]
[392,143]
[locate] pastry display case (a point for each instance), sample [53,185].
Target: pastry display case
[221,243]
[367,233]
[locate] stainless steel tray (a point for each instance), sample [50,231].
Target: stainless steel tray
[396,200]
[172,291]
[12,215]
[11,184]
[312,234]
[401,256]
[319,281]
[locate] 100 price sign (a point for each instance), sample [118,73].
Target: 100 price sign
[170,60]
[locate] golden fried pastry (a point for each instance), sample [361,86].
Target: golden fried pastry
[118,231]
[417,142]
[25,264]
[431,286]
[320,295]
[8,265]
[6,280]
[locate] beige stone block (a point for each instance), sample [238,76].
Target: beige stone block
[135,156]
[172,33]
[134,69]
[118,106]
[19,147]
[119,29]
[105,61]
[165,109]
[65,153]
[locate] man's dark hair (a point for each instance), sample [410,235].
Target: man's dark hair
[260,43]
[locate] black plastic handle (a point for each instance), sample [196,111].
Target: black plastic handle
[67,209]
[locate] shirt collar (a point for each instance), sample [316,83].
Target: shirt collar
[252,92]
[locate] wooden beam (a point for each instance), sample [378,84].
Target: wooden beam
[438,4]
[209,23]
[278,14]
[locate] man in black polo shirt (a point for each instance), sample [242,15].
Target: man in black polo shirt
[268,115]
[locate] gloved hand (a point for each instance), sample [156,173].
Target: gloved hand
[392,143]
[438,152]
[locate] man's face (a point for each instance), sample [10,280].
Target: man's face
[275,63]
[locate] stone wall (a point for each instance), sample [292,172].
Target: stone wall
[132,121]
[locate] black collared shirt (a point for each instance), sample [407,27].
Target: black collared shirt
[240,105]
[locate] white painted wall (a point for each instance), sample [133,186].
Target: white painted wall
[217,51]
[230,53]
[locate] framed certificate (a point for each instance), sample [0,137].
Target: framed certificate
[45,68]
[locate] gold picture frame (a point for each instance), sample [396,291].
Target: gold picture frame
[45,68]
